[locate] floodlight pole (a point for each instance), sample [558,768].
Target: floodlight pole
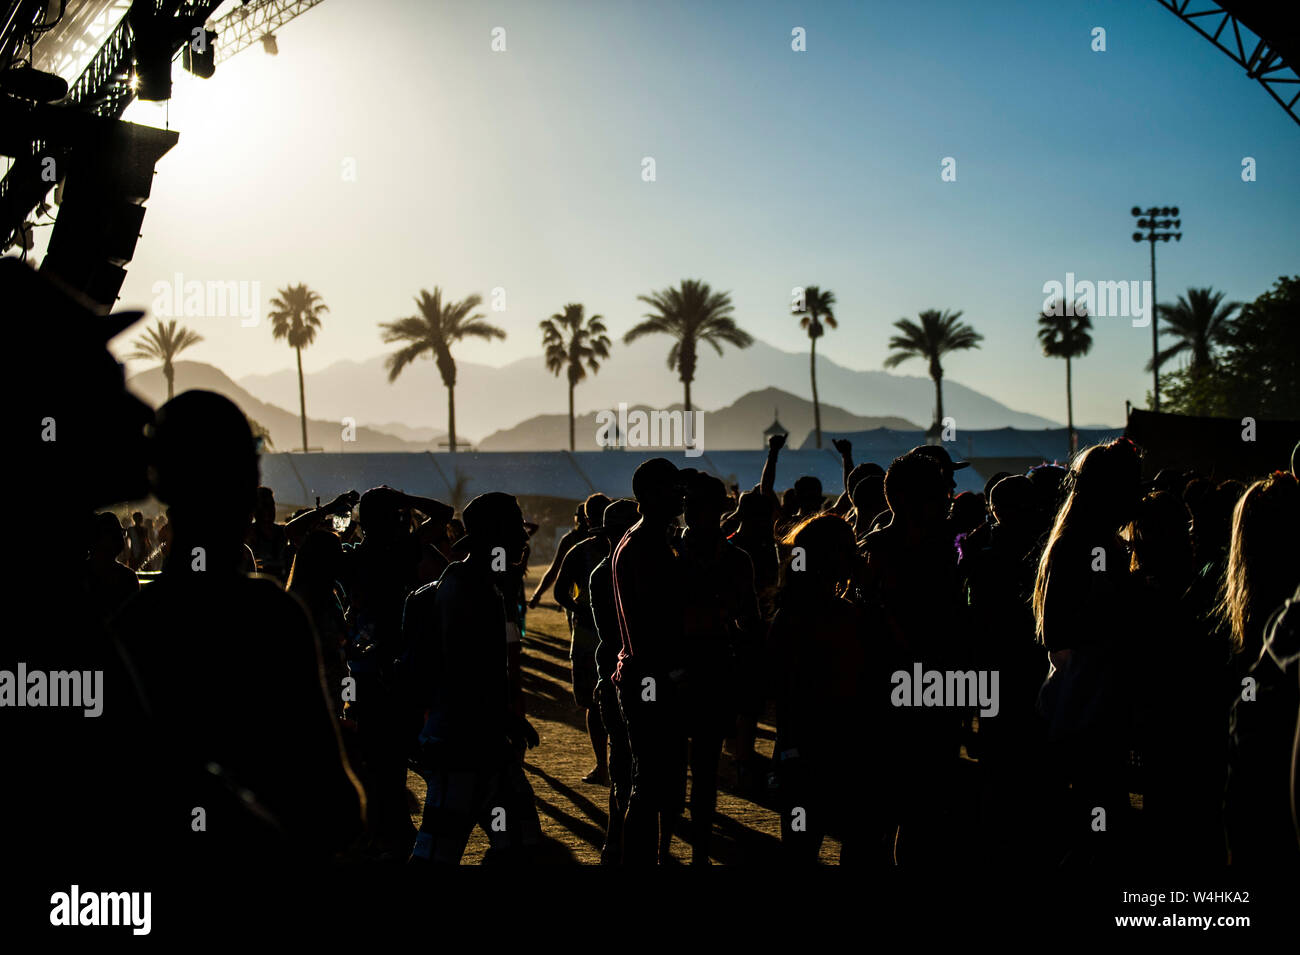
[1151,221]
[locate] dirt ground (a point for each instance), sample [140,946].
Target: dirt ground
[574,813]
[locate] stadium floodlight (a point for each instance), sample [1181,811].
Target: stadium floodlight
[1154,220]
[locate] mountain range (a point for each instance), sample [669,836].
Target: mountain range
[739,425]
[493,399]
[283,426]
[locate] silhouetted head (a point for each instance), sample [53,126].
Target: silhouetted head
[1195,490]
[492,521]
[822,553]
[264,513]
[1014,502]
[1261,570]
[757,511]
[381,514]
[1103,485]
[106,536]
[705,503]
[316,564]
[656,484]
[941,457]
[862,471]
[789,502]
[137,518]
[808,494]
[1168,479]
[1049,481]
[968,511]
[618,519]
[1212,519]
[868,497]
[992,483]
[593,510]
[916,490]
[204,464]
[1162,543]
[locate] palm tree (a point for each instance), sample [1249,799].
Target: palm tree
[938,334]
[435,330]
[163,344]
[691,313]
[1199,322]
[576,343]
[295,316]
[816,310]
[1066,336]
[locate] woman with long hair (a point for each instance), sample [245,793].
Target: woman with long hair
[1261,605]
[1083,616]
[819,658]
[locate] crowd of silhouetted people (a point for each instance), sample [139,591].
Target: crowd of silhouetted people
[268,688]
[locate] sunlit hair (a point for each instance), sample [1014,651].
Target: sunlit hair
[829,548]
[1100,491]
[1261,571]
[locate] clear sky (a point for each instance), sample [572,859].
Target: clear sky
[523,169]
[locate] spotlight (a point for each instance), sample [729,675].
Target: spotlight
[269,45]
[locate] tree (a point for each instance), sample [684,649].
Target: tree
[575,343]
[937,334]
[691,313]
[295,318]
[163,344]
[434,330]
[816,310]
[1069,337]
[1256,368]
[260,433]
[1199,323]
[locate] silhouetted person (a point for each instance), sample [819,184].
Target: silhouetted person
[109,583]
[377,575]
[585,516]
[721,622]
[1084,615]
[1181,721]
[1261,561]
[651,663]
[820,659]
[471,731]
[269,543]
[999,586]
[616,522]
[868,496]
[911,564]
[755,537]
[313,579]
[270,701]
[571,594]
[137,539]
